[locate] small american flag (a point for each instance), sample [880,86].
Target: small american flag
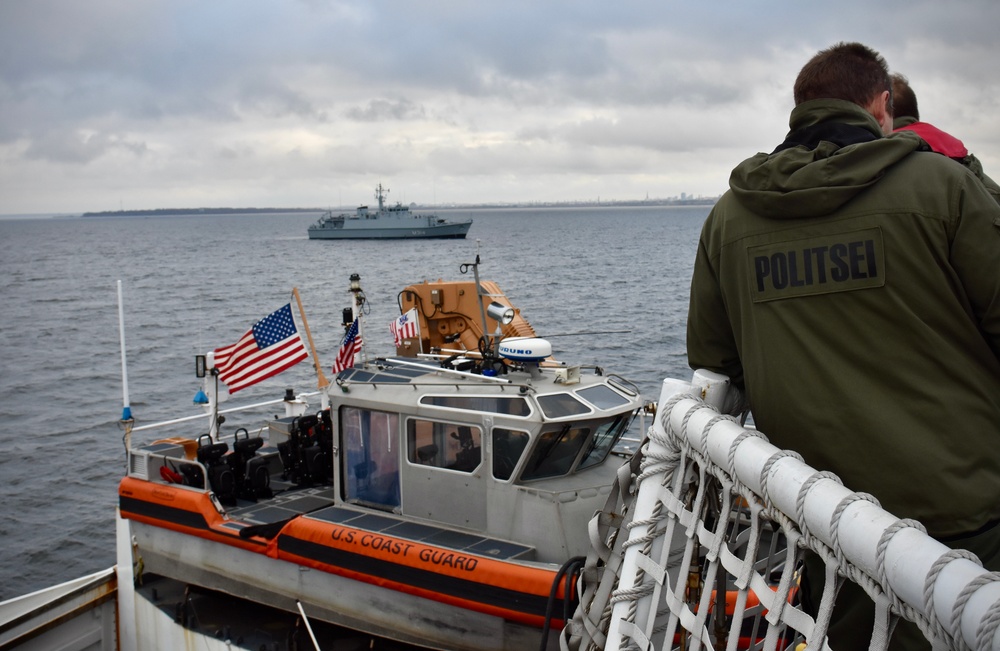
[350,347]
[405,327]
[271,346]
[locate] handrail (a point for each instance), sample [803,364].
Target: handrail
[223,411]
[895,555]
[449,371]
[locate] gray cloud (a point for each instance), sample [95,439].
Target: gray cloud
[70,148]
[519,99]
[378,110]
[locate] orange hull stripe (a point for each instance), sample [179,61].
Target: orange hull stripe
[185,511]
[503,589]
[509,590]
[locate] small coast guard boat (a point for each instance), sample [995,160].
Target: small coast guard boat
[388,222]
[438,498]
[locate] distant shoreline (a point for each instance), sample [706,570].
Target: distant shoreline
[166,212]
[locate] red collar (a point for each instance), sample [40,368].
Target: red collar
[939,141]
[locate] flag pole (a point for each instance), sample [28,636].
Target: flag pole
[321,380]
[126,406]
[127,420]
[357,306]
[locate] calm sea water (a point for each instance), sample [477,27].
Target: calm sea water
[192,284]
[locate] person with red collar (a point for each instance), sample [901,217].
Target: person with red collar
[906,117]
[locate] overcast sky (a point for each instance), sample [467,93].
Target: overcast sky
[109,104]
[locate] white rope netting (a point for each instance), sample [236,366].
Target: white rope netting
[709,512]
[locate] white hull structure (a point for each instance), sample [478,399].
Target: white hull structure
[72,616]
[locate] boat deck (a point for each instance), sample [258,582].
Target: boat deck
[288,502]
[317,503]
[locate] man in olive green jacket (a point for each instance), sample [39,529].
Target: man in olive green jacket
[849,283]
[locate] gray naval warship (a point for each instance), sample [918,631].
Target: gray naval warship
[395,222]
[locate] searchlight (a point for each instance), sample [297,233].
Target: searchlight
[502,313]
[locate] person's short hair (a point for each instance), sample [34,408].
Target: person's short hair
[904,100]
[848,71]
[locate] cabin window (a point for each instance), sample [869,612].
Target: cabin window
[555,452]
[369,440]
[443,445]
[509,406]
[602,396]
[508,446]
[559,405]
[605,437]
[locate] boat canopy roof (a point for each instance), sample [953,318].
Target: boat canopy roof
[518,394]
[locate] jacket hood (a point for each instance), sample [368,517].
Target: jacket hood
[834,151]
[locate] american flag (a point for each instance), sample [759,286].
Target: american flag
[271,346]
[350,347]
[405,327]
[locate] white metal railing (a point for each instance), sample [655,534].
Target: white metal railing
[647,583]
[220,412]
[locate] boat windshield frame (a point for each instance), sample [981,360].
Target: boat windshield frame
[561,449]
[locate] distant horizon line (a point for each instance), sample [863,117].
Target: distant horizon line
[693,201]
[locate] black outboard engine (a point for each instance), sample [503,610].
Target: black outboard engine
[302,456]
[220,475]
[193,475]
[253,480]
[324,438]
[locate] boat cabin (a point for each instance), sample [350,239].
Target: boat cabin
[479,455]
